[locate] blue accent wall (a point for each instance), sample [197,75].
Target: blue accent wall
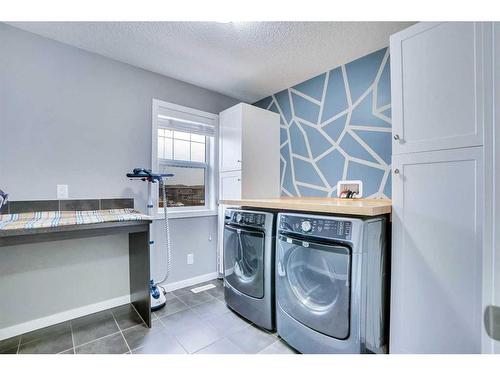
[337,126]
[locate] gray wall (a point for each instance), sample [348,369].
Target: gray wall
[188,235]
[39,280]
[68,116]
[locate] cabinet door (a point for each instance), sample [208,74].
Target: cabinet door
[436,252]
[496,191]
[491,256]
[230,125]
[437,86]
[230,185]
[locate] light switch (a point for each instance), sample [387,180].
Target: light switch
[190,258]
[62,191]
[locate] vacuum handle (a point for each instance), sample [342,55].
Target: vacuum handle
[146,174]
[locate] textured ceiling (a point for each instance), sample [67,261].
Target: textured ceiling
[247,60]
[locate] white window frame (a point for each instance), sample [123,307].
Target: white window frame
[188,114]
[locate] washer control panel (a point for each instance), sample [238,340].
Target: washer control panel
[327,228]
[246,218]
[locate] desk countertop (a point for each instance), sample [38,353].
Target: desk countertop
[361,207]
[45,226]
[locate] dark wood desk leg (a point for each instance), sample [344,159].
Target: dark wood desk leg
[139,274]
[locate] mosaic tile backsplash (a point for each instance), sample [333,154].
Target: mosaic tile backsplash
[337,126]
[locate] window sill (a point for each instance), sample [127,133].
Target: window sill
[181,214]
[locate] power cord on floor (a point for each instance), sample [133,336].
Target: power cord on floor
[163,289]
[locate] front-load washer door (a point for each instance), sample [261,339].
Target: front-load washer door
[313,284]
[244,260]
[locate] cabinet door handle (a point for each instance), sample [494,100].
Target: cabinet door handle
[492,321]
[396,171]
[396,137]
[238,161]
[239,179]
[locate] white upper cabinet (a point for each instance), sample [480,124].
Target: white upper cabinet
[437,86]
[230,131]
[261,153]
[442,127]
[250,143]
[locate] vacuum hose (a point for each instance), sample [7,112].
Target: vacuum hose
[167,231]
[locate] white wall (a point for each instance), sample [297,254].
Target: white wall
[73,117]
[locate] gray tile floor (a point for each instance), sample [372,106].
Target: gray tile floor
[190,323]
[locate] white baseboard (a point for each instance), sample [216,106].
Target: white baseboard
[46,321]
[188,282]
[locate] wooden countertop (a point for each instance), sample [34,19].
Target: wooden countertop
[361,207]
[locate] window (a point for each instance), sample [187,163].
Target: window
[176,145]
[183,144]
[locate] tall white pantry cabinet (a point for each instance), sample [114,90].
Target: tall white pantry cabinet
[249,158]
[442,89]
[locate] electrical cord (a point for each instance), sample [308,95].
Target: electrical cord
[167,234]
[162,289]
[348,194]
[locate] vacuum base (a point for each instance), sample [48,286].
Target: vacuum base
[158,303]
[158,299]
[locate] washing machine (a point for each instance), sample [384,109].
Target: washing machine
[332,283]
[248,258]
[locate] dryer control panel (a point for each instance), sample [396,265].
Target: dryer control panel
[326,228]
[245,218]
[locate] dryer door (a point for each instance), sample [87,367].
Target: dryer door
[244,260]
[313,284]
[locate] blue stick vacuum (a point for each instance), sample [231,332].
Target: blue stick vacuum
[158,299]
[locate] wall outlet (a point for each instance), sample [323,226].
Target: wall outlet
[190,258]
[62,191]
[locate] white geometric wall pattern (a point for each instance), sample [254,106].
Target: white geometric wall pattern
[337,126]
